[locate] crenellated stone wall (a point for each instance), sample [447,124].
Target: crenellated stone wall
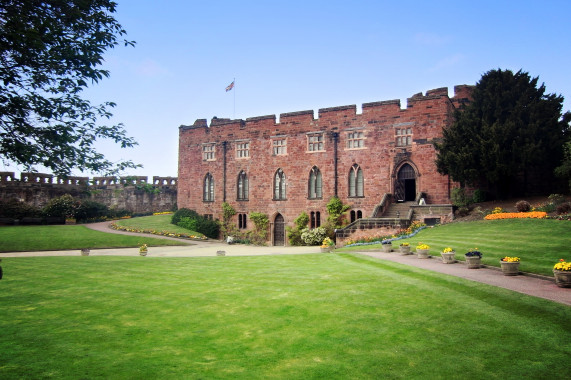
[133,193]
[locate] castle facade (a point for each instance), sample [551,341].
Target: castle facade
[299,163]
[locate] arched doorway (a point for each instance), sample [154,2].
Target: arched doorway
[279,230]
[405,184]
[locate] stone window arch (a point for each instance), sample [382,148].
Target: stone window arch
[315,184]
[242,186]
[279,185]
[208,188]
[356,181]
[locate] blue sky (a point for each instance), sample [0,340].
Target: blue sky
[294,55]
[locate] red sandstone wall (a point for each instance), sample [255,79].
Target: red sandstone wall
[379,159]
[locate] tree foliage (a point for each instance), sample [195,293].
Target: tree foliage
[564,170]
[294,233]
[509,137]
[335,218]
[50,51]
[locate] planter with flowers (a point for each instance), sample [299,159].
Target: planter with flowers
[562,273]
[328,245]
[387,245]
[404,249]
[422,251]
[510,266]
[474,258]
[448,255]
[143,250]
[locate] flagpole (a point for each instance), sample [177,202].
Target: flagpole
[234,116]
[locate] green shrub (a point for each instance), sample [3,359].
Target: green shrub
[556,199]
[459,197]
[13,208]
[479,196]
[209,228]
[63,206]
[114,213]
[313,236]
[335,218]
[90,210]
[261,222]
[183,213]
[227,227]
[189,223]
[294,233]
[523,206]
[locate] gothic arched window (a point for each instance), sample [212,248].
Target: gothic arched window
[208,188]
[315,184]
[356,181]
[242,186]
[279,185]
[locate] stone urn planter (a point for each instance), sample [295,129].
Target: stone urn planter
[474,262]
[474,259]
[387,247]
[562,278]
[404,250]
[143,253]
[510,268]
[85,252]
[326,249]
[422,253]
[448,257]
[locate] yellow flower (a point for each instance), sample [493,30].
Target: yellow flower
[562,265]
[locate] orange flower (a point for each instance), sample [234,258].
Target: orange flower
[513,215]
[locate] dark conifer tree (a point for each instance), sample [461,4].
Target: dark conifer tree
[508,139]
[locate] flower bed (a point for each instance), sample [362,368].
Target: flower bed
[155,232]
[409,232]
[513,215]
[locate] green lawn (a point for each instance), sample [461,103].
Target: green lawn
[335,316]
[157,223]
[539,243]
[50,238]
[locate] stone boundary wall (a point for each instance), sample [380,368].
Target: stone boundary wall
[133,193]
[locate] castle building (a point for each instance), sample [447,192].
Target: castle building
[300,163]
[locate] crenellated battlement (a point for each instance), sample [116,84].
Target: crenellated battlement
[26,178]
[461,94]
[133,193]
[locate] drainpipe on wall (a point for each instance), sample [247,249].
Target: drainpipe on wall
[335,159]
[224,143]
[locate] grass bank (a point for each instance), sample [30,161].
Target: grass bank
[53,238]
[159,223]
[539,243]
[269,317]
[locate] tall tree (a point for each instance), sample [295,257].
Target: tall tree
[508,138]
[564,170]
[50,51]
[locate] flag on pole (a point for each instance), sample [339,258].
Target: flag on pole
[230,86]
